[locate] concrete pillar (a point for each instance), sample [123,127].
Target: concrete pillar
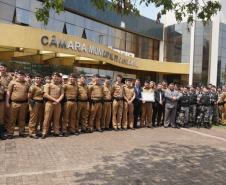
[212,76]
[161,50]
[191,62]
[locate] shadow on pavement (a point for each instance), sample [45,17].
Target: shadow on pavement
[163,164]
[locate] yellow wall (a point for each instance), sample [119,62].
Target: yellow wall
[16,36]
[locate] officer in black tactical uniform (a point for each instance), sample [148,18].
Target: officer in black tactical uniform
[214,105]
[205,115]
[184,103]
[192,106]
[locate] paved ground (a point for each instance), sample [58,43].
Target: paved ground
[145,156]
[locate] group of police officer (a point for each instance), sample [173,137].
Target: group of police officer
[64,107]
[200,107]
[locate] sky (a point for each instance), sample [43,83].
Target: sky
[150,12]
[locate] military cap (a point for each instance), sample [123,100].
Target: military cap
[73,75]
[21,73]
[65,76]
[2,64]
[56,74]
[47,78]
[38,75]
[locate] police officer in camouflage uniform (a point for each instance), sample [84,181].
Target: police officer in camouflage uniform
[205,115]
[192,106]
[214,105]
[184,103]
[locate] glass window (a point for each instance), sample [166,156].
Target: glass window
[6,12]
[119,44]
[55,25]
[23,16]
[60,17]
[34,23]
[10,2]
[129,46]
[70,17]
[93,25]
[34,5]
[74,19]
[79,20]
[24,4]
[96,36]
[74,30]
[156,50]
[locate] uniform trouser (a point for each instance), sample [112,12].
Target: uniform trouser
[36,112]
[154,113]
[137,111]
[6,116]
[159,110]
[146,114]
[69,117]
[215,114]
[192,113]
[170,116]
[128,117]
[95,115]
[83,114]
[221,111]
[2,111]
[106,116]
[186,115]
[117,109]
[224,115]
[208,115]
[52,110]
[17,110]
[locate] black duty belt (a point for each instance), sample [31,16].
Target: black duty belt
[118,98]
[24,101]
[39,101]
[95,101]
[107,100]
[82,100]
[74,100]
[193,104]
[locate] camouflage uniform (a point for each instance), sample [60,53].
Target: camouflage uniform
[214,107]
[192,108]
[183,116]
[204,114]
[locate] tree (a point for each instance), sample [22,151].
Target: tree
[190,9]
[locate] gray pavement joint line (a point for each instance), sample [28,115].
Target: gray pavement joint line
[203,134]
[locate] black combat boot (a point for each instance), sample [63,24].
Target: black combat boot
[2,133]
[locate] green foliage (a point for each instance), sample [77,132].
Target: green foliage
[189,9]
[42,14]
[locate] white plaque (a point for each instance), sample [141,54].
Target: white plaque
[147,96]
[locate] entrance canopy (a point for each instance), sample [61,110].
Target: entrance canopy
[41,46]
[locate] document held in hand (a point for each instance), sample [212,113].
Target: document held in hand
[148,96]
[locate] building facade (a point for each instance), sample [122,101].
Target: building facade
[90,40]
[202,46]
